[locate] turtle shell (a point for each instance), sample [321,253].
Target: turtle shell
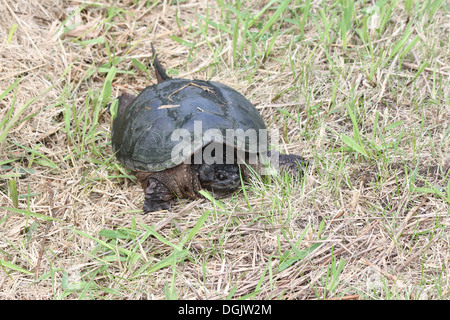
[143,133]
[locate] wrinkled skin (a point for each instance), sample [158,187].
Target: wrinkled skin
[220,179]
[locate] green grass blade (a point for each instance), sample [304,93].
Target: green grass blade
[260,13]
[400,44]
[300,255]
[8,114]
[196,228]
[409,47]
[346,19]
[28,214]
[282,7]
[419,71]
[15,120]
[13,193]
[42,160]
[208,196]
[354,145]
[11,33]
[104,243]
[182,41]
[153,232]
[8,265]
[175,257]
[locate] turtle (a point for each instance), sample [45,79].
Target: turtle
[173,137]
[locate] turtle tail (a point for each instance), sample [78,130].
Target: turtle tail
[161,74]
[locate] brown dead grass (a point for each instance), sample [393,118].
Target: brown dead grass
[381,230]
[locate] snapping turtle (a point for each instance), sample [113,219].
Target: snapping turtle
[180,136]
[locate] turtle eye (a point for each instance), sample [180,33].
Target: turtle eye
[221,176]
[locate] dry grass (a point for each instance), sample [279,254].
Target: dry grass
[370,220]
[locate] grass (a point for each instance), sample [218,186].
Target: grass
[359,88]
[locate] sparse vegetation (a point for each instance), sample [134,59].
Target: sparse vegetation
[360,88]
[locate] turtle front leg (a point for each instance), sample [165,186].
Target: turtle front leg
[290,163]
[157,196]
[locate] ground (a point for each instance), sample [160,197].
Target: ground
[359,89]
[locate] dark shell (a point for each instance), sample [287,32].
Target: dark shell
[142,133]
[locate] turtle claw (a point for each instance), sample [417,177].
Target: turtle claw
[154,205]
[293,164]
[290,163]
[157,196]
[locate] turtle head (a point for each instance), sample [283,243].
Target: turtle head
[221,179]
